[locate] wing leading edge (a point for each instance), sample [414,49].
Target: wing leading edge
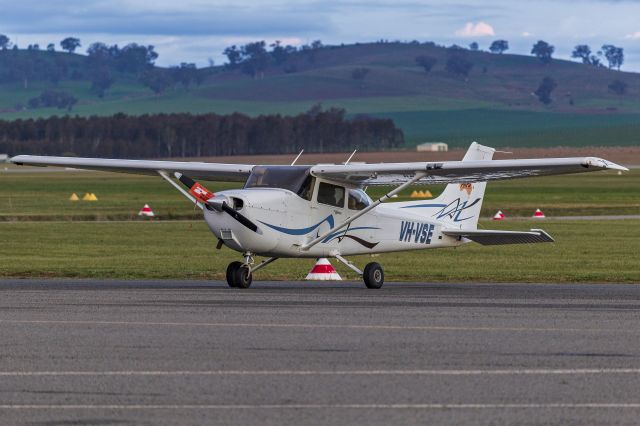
[197,170]
[460,171]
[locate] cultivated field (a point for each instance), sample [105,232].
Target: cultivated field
[494,104]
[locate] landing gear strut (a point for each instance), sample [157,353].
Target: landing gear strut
[373,275]
[240,274]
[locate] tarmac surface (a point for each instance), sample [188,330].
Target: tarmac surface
[171,352]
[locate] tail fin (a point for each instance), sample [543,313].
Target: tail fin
[460,203]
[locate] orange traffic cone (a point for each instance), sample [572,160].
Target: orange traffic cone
[146,211]
[538,214]
[323,270]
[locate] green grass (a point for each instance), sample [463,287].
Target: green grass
[517,128]
[45,196]
[585,251]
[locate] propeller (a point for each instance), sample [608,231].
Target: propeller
[205,196]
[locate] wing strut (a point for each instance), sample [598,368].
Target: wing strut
[364,211]
[179,188]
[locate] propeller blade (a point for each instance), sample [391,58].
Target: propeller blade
[201,193]
[204,195]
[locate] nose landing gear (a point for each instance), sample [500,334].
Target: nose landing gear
[240,274]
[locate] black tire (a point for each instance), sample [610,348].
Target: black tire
[373,275]
[231,273]
[242,277]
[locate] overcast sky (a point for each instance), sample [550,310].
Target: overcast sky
[196,30]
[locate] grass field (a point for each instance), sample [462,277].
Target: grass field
[43,234]
[45,196]
[502,128]
[585,251]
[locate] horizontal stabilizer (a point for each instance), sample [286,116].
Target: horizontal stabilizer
[491,237]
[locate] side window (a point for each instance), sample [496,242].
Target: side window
[332,195]
[358,200]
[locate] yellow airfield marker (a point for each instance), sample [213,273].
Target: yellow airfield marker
[74,197]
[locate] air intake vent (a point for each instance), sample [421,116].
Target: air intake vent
[226,234]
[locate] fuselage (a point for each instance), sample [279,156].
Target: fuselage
[286,221]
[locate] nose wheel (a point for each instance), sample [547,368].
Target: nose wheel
[239,275]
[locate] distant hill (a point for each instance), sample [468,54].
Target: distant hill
[494,103]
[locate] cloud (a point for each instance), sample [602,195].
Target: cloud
[131,17]
[633,36]
[479,29]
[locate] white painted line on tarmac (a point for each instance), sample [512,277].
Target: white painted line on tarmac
[589,405]
[475,372]
[322,326]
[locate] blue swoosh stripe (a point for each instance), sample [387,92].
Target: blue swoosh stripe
[424,205]
[344,231]
[303,231]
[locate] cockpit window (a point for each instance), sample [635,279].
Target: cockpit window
[358,200]
[331,194]
[293,178]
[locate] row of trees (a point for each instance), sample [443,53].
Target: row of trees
[70,44]
[544,51]
[255,58]
[548,84]
[102,66]
[186,135]
[613,54]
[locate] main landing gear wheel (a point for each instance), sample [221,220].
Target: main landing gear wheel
[231,273]
[373,275]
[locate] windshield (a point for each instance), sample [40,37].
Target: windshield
[292,178]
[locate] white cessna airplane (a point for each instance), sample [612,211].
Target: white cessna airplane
[322,211]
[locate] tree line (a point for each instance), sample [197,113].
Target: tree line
[187,135]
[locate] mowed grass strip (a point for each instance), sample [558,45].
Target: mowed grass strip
[584,251]
[45,196]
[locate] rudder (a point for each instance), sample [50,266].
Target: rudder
[460,203]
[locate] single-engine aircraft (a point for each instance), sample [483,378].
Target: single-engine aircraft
[294,211]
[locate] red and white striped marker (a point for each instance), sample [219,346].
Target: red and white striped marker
[146,211]
[323,270]
[499,215]
[538,214]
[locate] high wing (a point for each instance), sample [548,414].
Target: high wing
[197,170]
[459,171]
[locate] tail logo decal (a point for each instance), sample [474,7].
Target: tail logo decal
[453,210]
[466,187]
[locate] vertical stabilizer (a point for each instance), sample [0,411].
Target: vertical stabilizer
[460,203]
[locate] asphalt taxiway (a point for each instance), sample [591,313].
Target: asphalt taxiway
[170,352]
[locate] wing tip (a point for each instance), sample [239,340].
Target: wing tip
[602,163]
